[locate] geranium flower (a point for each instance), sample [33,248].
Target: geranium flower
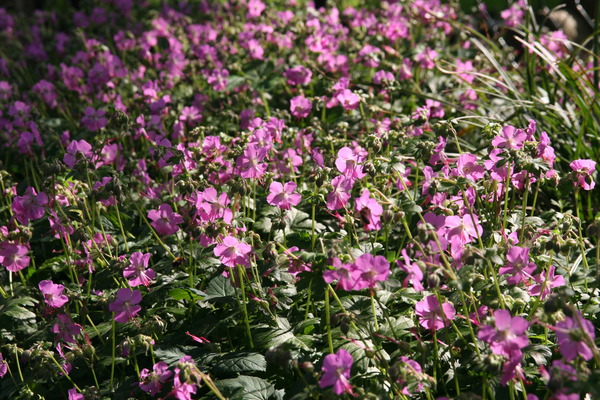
[126,305]
[431,315]
[372,269]
[415,275]
[462,230]
[3,366]
[347,162]
[283,196]
[14,256]
[52,293]
[30,206]
[233,252]
[510,138]
[298,75]
[571,334]
[370,211]
[583,173]
[518,265]
[545,282]
[250,163]
[94,119]
[164,220]
[507,337]
[66,328]
[300,107]
[137,272]
[336,372]
[151,382]
[348,99]
[340,194]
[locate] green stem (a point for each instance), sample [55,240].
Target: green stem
[114,353]
[373,311]
[328,320]
[244,306]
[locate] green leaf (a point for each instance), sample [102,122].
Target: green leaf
[219,289]
[252,388]
[241,362]
[186,294]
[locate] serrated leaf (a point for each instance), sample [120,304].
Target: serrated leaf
[17,312]
[219,289]
[253,388]
[241,362]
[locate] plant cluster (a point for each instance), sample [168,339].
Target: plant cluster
[241,200]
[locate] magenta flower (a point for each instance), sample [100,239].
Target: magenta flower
[372,269]
[94,119]
[3,366]
[30,206]
[462,230]
[250,163]
[137,272]
[467,166]
[75,147]
[346,274]
[233,252]
[347,162]
[53,294]
[336,372]
[298,75]
[126,305]
[283,196]
[75,395]
[432,316]
[583,173]
[518,265]
[212,206]
[14,256]
[182,390]
[164,220]
[152,382]
[427,58]
[415,275]
[66,328]
[300,107]
[510,138]
[571,334]
[545,282]
[507,337]
[348,99]
[340,194]
[370,211]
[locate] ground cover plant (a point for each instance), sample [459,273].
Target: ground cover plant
[242,200]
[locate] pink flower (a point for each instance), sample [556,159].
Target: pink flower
[75,395]
[336,372]
[300,107]
[94,119]
[137,272]
[212,207]
[164,220]
[347,162]
[518,265]
[340,194]
[30,206]
[250,163]
[151,382]
[75,147]
[3,366]
[348,99]
[233,252]
[571,334]
[510,138]
[283,196]
[370,211]
[467,166]
[53,294]
[126,305]
[182,390]
[66,328]
[372,269]
[298,75]
[507,337]
[14,256]
[545,282]
[426,58]
[583,173]
[432,316]
[462,230]
[415,275]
